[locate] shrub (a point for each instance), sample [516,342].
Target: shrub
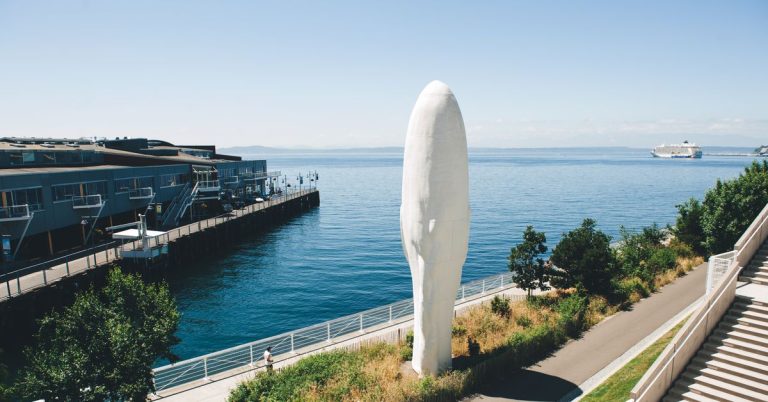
[688,229]
[662,259]
[571,311]
[458,330]
[409,339]
[500,306]
[523,321]
[681,249]
[406,353]
[473,347]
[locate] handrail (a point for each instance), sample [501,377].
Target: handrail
[686,343]
[751,229]
[311,338]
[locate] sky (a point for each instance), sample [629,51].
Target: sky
[338,74]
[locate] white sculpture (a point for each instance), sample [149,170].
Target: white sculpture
[434,220]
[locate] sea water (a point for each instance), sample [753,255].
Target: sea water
[345,256]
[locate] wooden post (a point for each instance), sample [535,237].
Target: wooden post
[50,243]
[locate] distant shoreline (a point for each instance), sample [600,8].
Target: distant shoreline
[252,150]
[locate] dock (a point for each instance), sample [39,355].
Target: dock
[180,242]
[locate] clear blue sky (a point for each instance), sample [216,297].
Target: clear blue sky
[346,74]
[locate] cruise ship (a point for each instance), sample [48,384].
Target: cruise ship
[684,150]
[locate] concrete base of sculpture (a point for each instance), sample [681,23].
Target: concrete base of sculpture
[434,220]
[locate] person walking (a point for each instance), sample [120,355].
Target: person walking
[268,359]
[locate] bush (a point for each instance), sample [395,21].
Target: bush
[523,321]
[662,259]
[500,306]
[473,346]
[681,249]
[458,330]
[571,311]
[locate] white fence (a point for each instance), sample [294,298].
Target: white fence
[316,337]
[717,268]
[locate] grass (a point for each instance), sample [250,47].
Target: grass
[618,386]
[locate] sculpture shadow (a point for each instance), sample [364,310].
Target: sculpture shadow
[528,385]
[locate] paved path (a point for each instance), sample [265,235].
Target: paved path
[577,361]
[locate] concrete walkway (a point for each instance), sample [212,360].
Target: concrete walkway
[553,378]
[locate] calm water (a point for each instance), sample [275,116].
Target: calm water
[345,256]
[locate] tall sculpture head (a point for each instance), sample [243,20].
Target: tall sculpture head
[434,220]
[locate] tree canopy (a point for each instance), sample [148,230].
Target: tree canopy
[102,347]
[731,206]
[584,260]
[530,270]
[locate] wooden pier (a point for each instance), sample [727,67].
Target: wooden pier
[185,243]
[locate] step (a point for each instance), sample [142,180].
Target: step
[735,380]
[749,313]
[733,390]
[710,392]
[680,393]
[735,361]
[744,337]
[756,274]
[736,353]
[754,280]
[760,380]
[739,344]
[746,329]
[735,319]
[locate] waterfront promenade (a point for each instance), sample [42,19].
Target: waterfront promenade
[572,365]
[217,387]
[24,281]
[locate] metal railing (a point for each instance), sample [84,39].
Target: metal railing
[686,343]
[208,185]
[313,338]
[86,201]
[31,277]
[717,268]
[15,213]
[141,193]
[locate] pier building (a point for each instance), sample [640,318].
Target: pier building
[59,195]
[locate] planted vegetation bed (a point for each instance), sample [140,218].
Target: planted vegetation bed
[496,337]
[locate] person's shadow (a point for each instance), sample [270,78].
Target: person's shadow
[527,385]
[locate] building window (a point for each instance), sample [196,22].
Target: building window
[65,192]
[169,180]
[21,157]
[123,185]
[30,196]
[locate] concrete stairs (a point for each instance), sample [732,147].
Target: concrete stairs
[733,364]
[757,270]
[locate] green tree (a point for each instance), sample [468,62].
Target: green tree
[102,346]
[530,270]
[731,206]
[688,225]
[584,260]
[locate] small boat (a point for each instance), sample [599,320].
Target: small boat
[685,150]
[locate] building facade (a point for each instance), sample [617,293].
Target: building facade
[59,195]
